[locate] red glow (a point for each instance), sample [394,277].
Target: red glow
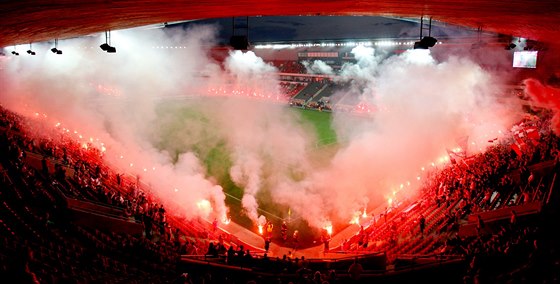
[328,227]
[547,96]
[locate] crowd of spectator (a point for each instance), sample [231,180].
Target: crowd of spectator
[37,221]
[288,66]
[497,178]
[41,244]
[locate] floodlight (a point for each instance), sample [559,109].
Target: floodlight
[106,46]
[30,51]
[239,42]
[425,43]
[55,49]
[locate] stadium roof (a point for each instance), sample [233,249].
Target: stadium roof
[321,29]
[41,20]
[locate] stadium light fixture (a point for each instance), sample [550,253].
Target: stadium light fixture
[104,46]
[55,49]
[107,45]
[511,46]
[30,51]
[14,52]
[427,41]
[240,40]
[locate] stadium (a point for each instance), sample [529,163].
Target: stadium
[305,142]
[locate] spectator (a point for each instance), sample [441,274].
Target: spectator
[317,278]
[266,244]
[422,224]
[230,255]
[331,276]
[513,220]
[480,224]
[355,270]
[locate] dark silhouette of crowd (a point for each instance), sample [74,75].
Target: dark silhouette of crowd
[41,243]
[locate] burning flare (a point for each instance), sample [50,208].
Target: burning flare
[328,227]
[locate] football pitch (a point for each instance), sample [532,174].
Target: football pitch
[189,127]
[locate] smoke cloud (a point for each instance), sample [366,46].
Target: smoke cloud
[318,67]
[422,107]
[547,97]
[113,98]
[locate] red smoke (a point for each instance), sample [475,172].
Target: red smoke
[548,96]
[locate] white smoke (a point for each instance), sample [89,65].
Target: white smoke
[246,172]
[422,107]
[114,96]
[265,142]
[318,67]
[364,70]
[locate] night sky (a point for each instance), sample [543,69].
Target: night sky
[317,28]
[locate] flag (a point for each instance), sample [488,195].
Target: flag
[463,143]
[524,133]
[516,149]
[451,156]
[533,134]
[518,146]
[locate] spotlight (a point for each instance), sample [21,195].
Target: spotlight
[418,45]
[511,46]
[55,49]
[239,42]
[30,51]
[109,49]
[106,46]
[425,43]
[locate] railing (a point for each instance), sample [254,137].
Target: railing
[549,194]
[96,207]
[114,224]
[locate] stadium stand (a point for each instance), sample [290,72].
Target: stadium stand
[67,217]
